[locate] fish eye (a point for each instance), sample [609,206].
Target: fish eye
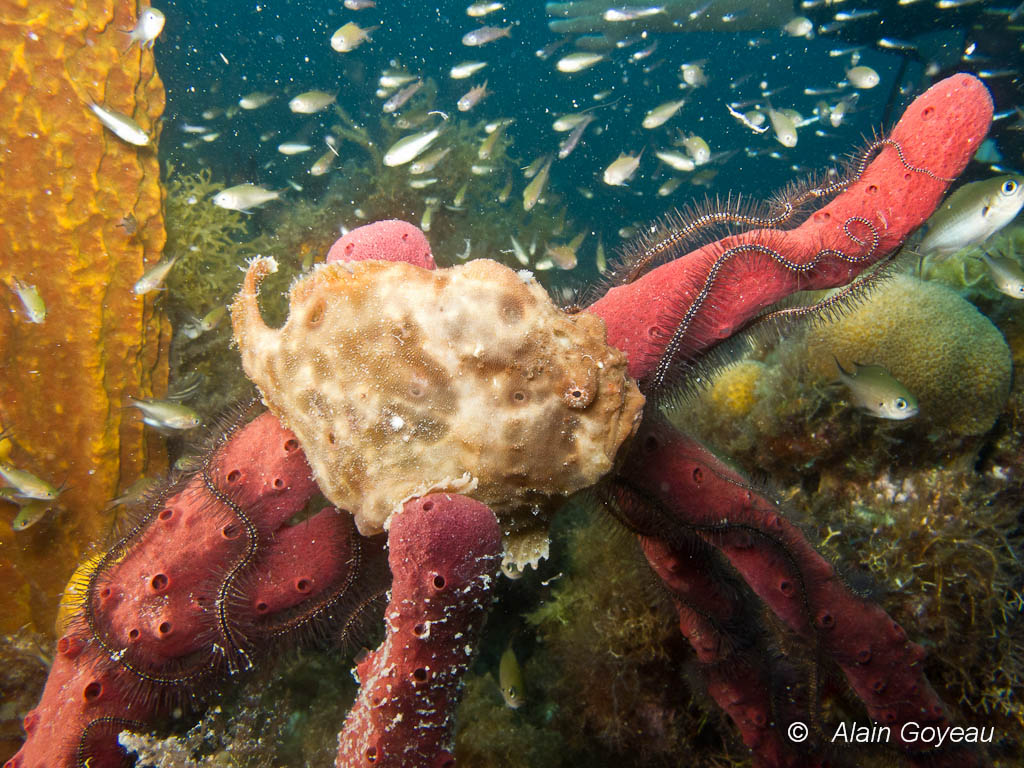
[1009,187]
[901,404]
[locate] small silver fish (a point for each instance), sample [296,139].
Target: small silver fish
[621,170]
[293,148]
[409,148]
[466,69]
[153,278]
[477,10]
[670,186]
[147,29]
[520,253]
[564,256]
[1006,274]
[697,148]
[577,62]
[427,162]
[472,97]
[662,114]
[323,163]
[166,415]
[134,493]
[676,160]
[212,318]
[120,125]
[26,485]
[972,214]
[398,101]
[484,35]
[244,197]
[31,301]
[349,37]
[566,147]
[693,74]
[255,100]
[799,26]
[862,77]
[487,147]
[876,391]
[631,13]
[311,102]
[535,188]
[784,127]
[393,78]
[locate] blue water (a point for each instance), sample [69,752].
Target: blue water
[212,53]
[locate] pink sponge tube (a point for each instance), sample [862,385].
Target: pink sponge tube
[722,286]
[390,240]
[444,553]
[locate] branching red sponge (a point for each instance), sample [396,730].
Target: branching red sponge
[205,582]
[739,672]
[444,553]
[683,307]
[698,493]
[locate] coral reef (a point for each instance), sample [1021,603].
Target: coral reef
[61,205]
[931,516]
[665,488]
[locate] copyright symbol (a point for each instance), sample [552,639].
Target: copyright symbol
[797,732]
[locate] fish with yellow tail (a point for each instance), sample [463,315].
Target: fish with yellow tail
[972,214]
[877,392]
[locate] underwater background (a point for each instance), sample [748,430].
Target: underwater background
[924,515]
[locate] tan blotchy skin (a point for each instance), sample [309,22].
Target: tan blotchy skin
[400,381]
